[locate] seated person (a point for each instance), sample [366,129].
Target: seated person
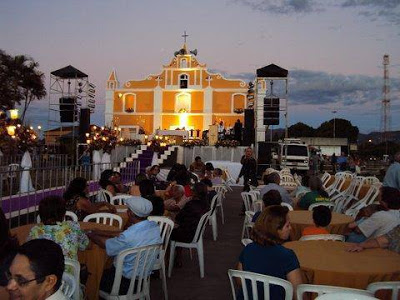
[209,171]
[36,271]
[76,200]
[217,177]
[317,193]
[267,256]
[8,248]
[106,182]
[140,232]
[135,191]
[322,217]
[183,180]
[116,179]
[67,234]
[198,167]
[210,191]
[272,182]
[188,218]
[147,191]
[390,240]
[380,222]
[272,197]
[177,199]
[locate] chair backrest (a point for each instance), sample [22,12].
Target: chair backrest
[104,218]
[287,205]
[286,178]
[245,242]
[119,199]
[166,226]
[345,296]
[330,205]
[256,194]
[221,189]
[285,171]
[326,289]
[104,196]
[76,268]
[258,205]
[247,200]
[249,214]
[71,215]
[394,286]
[252,279]
[371,180]
[200,227]
[144,260]
[325,237]
[68,285]
[213,205]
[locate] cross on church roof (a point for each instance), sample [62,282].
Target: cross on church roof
[185,36]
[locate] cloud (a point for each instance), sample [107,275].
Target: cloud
[374,10]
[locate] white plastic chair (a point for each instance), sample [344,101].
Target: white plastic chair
[285,171]
[324,237]
[253,279]
[71,215]
[213,215]
[104,218]
[287,205]
[286,178]
[119,199]
[245,242]
[139,287]
[247,223]
[104,196]
[394,286]
[76,268]
[327,289]
[221,190]
[166,226]
[197,243]
[345,296]
[371,180]
[68,285]
[368,199]
[248,200]
[330,205]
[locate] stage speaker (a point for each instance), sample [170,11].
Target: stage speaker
[84,124]
[249,131]
[271,111]
[68,112]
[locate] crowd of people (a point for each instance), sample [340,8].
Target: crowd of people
[184,197]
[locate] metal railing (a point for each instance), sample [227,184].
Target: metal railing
[38,160]
[21,190]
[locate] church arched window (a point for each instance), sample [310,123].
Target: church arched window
[183,63]
[129,103]
[183,103]
[238,102]
[183,81]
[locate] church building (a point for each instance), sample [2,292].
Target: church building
[184,95]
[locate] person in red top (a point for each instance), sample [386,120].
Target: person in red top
[321,217]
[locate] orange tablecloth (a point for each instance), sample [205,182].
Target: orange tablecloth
[328,262]
[94,257]
[300,219]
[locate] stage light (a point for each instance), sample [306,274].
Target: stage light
[13,114]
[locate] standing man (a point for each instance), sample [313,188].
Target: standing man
[248,170]
[237,128]
[333,162]
[392,177]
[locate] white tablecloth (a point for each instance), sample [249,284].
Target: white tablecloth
[183,133]
[232,167]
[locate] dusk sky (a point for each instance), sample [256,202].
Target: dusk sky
[332,49]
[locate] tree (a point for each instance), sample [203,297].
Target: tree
[343,129]
[20,82]
[301,130]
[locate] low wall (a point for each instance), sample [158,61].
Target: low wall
[212,153]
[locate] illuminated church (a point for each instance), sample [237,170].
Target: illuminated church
[183,95]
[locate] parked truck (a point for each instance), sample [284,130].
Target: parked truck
[292,154]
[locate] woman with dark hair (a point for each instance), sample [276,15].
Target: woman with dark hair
[106,182]
[189,216]
[267,256]
[317,193]
[8,248]
[67,234]
[76,200]
[147,191]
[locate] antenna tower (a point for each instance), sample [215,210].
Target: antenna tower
[385,114]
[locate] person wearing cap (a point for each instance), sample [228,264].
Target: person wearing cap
[141,232]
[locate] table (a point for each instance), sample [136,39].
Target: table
[232,167]
[328,262]
[94,256]
[300,219]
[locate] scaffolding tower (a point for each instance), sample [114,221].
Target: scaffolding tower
[385,110]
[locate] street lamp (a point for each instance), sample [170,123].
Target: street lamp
[13,114]
[334,111]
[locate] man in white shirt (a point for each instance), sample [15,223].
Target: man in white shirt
[36,271]
[272,182]
[383,221]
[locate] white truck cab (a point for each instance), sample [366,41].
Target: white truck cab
[292,154]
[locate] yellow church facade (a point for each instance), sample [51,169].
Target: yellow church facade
[184,95]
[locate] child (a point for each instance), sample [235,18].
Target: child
[321,217]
